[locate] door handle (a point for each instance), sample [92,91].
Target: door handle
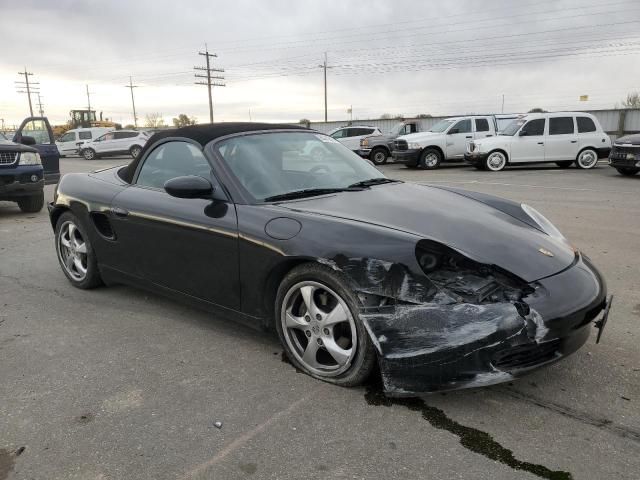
[540,143]
[119,212]
[469,136]
[574,141]
[489,135]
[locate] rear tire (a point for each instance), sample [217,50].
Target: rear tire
[626,171]
[322,344]
[564,163]
[88,154]
[75,253]
[32,203]
[430,159]
[587,159]
[379,156]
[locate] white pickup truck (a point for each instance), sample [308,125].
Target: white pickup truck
[446,141]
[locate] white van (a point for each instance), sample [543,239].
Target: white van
[68,143]
[563,138]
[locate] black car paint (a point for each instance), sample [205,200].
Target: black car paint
[229,256]
[623,156]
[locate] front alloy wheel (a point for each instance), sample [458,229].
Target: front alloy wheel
[89,154]
[75,254]
[319,329]
[496,161]
[587,159]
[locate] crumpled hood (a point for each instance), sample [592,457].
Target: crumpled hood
[470,226]
[632,139]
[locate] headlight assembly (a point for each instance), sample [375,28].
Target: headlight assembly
[29,158]
[414,146]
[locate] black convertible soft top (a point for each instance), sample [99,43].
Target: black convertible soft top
[202,134]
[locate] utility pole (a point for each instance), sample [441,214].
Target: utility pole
[28,87]
[131,86]
[89,101]
[40,106]
[209,83]
[503,103]
[324,66]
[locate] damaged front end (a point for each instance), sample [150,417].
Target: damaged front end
[450,322]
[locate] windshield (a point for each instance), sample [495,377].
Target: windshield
[441,126]
[397,128]
[272,164]
[513,127]
[3,137]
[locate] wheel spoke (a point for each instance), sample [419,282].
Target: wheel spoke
[336,315]
[68,261]
[81,247]
[307,295]
[295,322]
[64,241]
[71,229]
[79,267]
[309,356]
[340,355]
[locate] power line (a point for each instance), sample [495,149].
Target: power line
[131,86]
[209,83]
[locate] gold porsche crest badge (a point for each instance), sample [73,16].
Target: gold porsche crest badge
[546,252]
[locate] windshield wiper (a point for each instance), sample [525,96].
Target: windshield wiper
[372,181]
[308,192]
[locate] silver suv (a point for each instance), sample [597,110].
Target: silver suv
[117,142]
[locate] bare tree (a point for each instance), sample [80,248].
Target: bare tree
[154,120]
[537,110]
[632,100]
[386,116]
[184,120]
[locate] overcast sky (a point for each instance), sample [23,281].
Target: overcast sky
[398,57]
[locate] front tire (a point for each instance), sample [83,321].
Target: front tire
[88,154]
[135,151]
[626,171]
[75,253]
[379,156]
[495,161]
[32,203]
[587,159]
[430,159]
[319,327]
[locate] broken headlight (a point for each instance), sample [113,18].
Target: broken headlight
[465,280]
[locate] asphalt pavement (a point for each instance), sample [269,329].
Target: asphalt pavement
[116,383]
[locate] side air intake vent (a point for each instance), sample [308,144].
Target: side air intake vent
[101,221]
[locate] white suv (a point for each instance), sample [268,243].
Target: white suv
[350,136]
[117,142]
[562,137]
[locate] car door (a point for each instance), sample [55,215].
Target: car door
[528,144]
[482,128]
[39,129]
[105,143]
[562,141]
[189,245]
[458,136]
[351,138]
[67,143]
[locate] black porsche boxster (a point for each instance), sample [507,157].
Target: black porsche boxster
[284,228]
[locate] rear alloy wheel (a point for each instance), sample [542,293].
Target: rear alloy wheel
[75,253]
[495,161]
[88,154]
[318,326]
[587,159]
[135,151]
[430,159]
[32,203]
[379,156]
[627,171]
[564,163]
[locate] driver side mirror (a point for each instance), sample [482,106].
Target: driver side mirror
[27,140]
[522,133]
[454,130]
[190,186]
